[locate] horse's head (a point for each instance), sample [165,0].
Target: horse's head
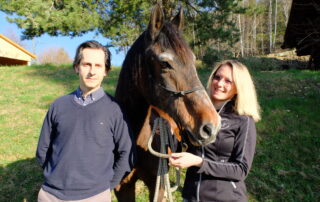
[175,86]
[165,75]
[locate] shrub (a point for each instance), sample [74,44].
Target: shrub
[213,55]
[54,56]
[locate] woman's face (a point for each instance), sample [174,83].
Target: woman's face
[222,86]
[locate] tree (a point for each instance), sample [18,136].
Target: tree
[208,22]
[213,24]
[56,17]
[12,35]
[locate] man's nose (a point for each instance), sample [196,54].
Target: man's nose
[92,70]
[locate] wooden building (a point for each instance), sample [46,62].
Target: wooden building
[303,30]
[12,53]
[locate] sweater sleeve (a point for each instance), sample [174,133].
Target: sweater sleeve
[45,138]
[242,156]
[123,152]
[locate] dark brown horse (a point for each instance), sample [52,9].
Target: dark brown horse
[159,70]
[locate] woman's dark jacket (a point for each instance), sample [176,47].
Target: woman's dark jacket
[226,163]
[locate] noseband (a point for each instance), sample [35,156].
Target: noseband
[181,93]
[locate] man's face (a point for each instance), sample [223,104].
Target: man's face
[91,70]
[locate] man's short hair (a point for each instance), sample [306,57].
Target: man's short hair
[94,45]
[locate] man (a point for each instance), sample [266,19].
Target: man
[84,146]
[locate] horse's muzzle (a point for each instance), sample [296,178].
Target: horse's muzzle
[208,133]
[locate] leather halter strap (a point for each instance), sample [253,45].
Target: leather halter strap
[182,93]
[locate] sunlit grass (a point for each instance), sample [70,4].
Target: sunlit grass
[287,162]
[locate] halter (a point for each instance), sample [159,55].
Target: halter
[181,93]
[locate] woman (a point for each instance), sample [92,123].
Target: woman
[216,172]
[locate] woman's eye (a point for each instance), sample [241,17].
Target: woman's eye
[217,78]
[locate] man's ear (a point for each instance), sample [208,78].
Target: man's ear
[76,69]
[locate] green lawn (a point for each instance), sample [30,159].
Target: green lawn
[287,162]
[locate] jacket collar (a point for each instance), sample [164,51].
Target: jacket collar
[227,107]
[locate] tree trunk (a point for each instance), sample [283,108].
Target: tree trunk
[286,7]
[241,42]
[270,26]
[275,25]
[254,32]
[262,38]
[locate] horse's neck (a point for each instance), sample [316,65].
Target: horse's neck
[132,84]
[133,105]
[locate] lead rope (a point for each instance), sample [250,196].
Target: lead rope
[163,169]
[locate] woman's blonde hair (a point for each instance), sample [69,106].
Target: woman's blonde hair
[246,102]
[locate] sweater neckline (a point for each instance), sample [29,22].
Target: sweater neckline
[88,105]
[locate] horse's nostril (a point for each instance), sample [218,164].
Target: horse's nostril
[206,130]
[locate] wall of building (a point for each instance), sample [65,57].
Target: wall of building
[12,53]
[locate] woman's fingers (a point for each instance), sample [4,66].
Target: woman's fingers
[177,155]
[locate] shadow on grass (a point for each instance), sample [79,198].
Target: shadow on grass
[20,181]
[63,75]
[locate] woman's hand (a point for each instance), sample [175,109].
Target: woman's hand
[185,160]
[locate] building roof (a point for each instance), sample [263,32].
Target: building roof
[303,29]
[17,46]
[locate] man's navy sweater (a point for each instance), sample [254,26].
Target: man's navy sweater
[84,150]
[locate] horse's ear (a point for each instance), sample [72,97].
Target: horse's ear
[178,20]
[156,21]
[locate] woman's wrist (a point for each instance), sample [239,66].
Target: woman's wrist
[199,162]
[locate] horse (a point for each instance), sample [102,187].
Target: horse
[159,78]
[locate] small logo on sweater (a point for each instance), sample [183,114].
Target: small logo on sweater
[224,123]
[101,123]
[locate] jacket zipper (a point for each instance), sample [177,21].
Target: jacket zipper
[200,177]
[202,156]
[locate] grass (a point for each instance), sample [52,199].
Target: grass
[287,162]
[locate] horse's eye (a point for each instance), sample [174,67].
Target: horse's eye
[165,64]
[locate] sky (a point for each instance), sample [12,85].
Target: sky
[46,42]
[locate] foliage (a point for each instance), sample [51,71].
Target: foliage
[122,21]
[37,17]
[212,56]
[214,21]
[261,63]
[286,166]
[264,63]
[54,56]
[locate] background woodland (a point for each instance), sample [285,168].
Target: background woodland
[215,29]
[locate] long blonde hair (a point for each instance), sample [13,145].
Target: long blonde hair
[246,102]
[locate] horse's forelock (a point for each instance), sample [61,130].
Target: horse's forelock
[171,38]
